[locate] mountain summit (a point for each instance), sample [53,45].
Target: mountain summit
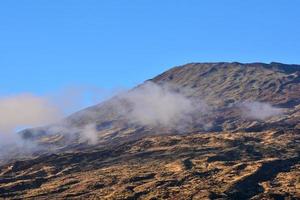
[197,131]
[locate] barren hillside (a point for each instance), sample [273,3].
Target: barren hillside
[243,142]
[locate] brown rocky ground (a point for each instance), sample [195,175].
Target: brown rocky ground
[260,165]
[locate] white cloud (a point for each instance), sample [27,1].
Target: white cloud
[25,110]
[259,110]
[160,105]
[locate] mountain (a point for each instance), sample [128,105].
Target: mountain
[197,131]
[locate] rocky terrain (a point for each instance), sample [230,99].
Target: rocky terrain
[196,166]
[243,145]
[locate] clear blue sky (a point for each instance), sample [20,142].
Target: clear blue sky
[49,44]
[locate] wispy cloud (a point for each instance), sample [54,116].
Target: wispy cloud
[26,110]
[161,105]
[259,110]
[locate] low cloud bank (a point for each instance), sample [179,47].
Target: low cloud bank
[153,105]
[27,110]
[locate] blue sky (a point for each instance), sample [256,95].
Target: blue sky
[50,44]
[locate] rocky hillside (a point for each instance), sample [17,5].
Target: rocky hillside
[195,166]
[223,86]
[224,83]
[241,143]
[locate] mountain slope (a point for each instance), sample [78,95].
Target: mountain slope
[242,144]
[220,83]
[223,86]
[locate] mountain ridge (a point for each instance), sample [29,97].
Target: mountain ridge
[224,85]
